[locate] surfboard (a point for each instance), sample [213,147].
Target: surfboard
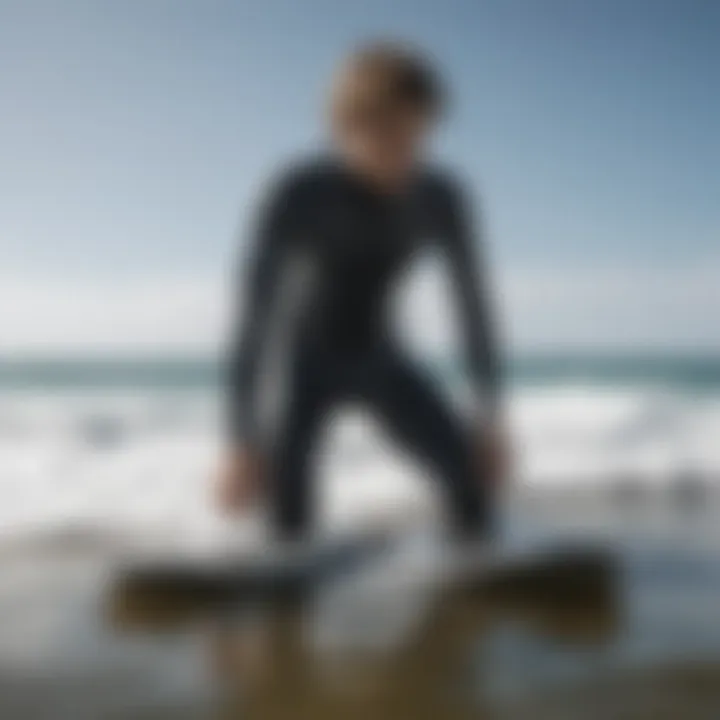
[167,582]
[159,589]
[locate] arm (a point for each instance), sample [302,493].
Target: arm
[263,270]
[470,279]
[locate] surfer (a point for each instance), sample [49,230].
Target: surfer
[345,225]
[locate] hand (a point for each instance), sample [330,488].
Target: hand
[493,453]
[240,481]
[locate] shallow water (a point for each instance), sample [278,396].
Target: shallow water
[85,471]
[650,649]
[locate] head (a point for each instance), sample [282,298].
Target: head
[385,101]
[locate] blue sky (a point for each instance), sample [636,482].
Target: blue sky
[134,135]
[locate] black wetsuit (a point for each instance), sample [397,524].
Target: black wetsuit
[354,241]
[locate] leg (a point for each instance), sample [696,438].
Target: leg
[292,455]
[423,422]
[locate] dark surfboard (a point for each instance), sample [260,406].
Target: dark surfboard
[168,587]
[167,590]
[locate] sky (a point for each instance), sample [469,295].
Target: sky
[135,135]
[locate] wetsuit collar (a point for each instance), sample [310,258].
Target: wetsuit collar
[375,189]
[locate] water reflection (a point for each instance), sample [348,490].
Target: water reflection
[641,641]
[273,660]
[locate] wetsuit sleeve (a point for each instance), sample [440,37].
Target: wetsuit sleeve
[274,226]
[464,243]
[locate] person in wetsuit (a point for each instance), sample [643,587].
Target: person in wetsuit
[349,223]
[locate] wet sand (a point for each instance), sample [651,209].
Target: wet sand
[648,647]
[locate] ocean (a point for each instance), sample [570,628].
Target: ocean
[81,436]
[621,451]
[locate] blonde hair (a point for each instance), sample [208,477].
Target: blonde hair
[383,76]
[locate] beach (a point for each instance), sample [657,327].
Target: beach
[650,650]
[90,467]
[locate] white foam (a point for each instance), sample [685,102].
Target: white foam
[145,461]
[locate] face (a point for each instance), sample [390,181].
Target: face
[385,144]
